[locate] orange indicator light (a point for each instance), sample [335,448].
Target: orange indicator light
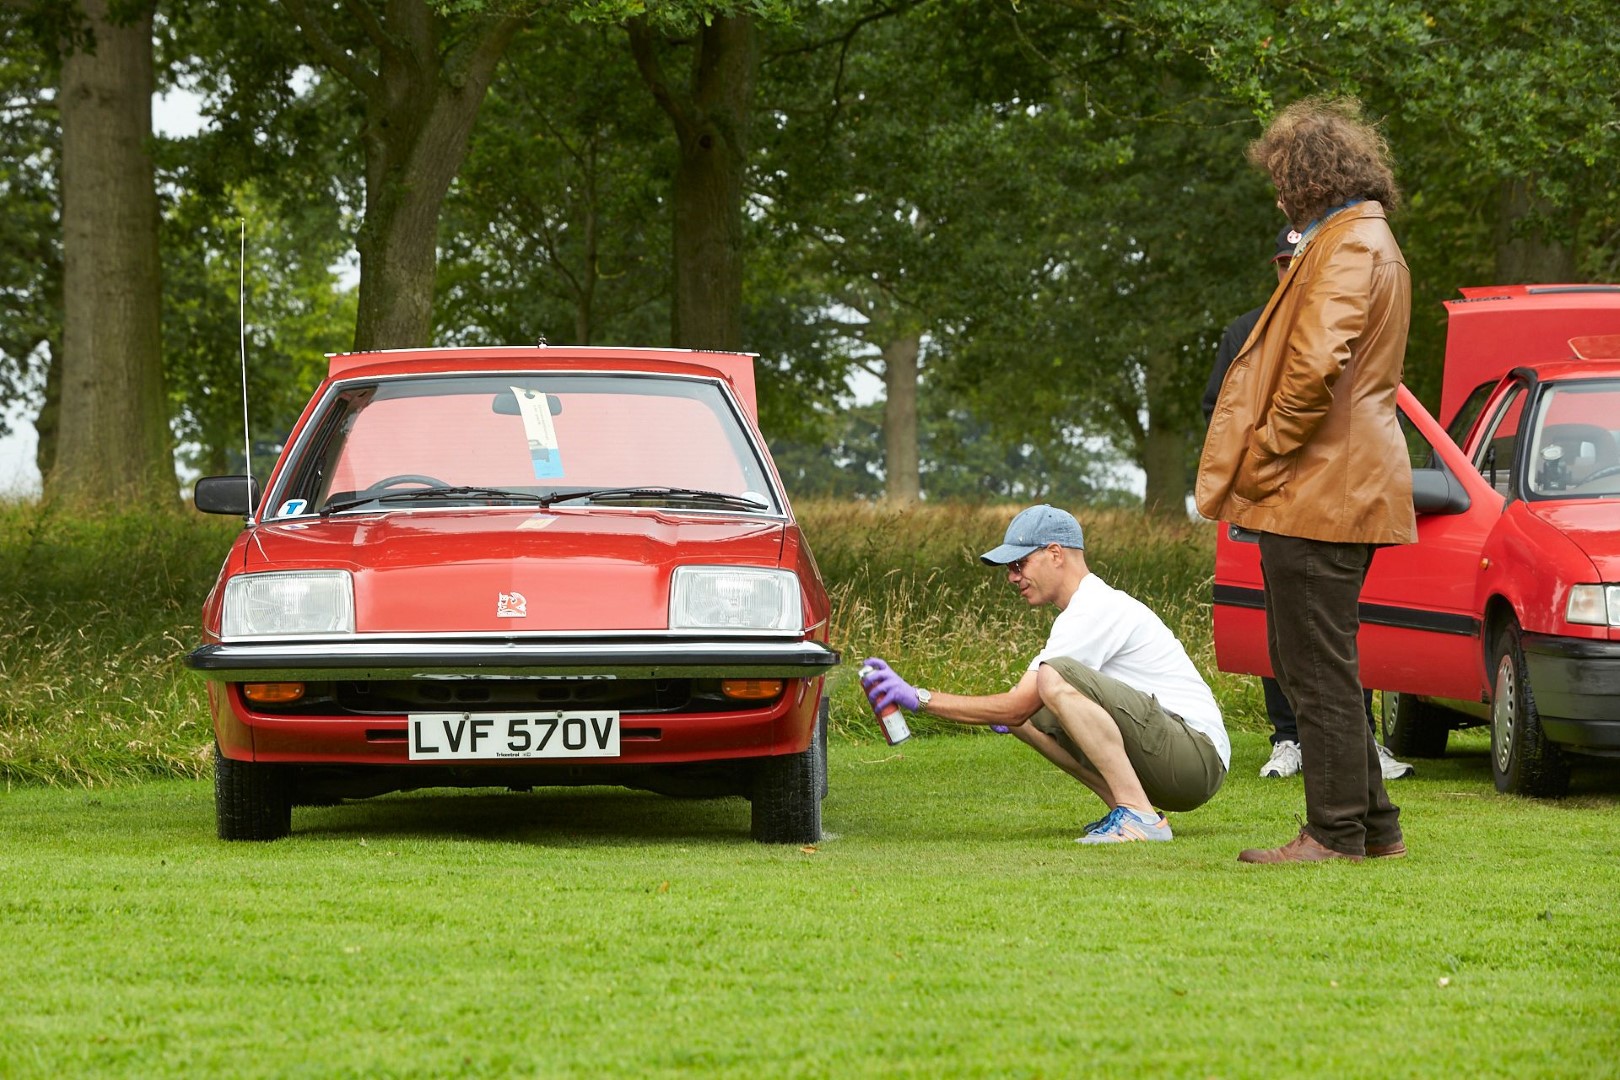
[273,693]
[751,689]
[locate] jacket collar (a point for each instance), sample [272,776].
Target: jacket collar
[1369,208]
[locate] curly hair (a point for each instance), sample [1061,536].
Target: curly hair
[1319,153]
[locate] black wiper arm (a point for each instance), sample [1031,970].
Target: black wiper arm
[462,491]
[669,493]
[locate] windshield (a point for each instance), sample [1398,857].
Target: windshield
[527,439]
[1575,447]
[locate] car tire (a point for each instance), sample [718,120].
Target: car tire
[1523,761]
[252,801]
[786,796]
[1413,727]
[823,722]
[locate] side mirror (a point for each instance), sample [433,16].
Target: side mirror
[226,495]
[1436,491]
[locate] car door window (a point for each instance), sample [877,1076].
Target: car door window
[1494,455]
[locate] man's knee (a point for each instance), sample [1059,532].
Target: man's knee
[1053,687]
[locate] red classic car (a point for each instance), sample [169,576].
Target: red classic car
[1507,609]
[518,567]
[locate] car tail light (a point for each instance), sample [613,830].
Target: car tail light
[751,689]
[273,693]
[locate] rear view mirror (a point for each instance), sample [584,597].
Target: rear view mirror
[1436,491]
[506,404]
[226,495]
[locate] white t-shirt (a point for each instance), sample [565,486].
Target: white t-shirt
[1116,634]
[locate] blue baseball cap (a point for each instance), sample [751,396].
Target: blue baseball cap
[1032,530]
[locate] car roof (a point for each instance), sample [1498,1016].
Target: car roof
[735,367]
[1496,328]
[1564,370]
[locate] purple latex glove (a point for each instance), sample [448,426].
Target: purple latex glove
[885,687]
[1000,729]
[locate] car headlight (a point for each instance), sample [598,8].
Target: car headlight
[1596,605]
[288,602]
[734,598]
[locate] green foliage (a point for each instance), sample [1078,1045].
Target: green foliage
[30,242]
[555,225]
[296,311]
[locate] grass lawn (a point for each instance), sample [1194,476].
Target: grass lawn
[949,927]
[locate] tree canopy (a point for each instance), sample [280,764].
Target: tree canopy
[1020,227]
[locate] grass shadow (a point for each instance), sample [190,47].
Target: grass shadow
[551,817]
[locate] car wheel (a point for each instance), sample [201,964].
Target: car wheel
[823,721]
[1522,760]
[252,801]
[1414,728]
[787,797]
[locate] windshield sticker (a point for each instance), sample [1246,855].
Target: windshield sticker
[292,507]
[542,435]
[537,522]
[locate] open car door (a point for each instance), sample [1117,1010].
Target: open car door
[1420,627]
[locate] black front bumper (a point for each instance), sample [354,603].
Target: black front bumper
[384,658]
[1576,684]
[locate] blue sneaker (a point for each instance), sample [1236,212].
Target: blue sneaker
[1122,826]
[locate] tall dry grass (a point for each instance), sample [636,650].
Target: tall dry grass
[97,611]
[907,585]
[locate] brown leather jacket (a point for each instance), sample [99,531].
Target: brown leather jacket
[1304,439]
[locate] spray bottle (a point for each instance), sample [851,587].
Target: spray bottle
[891,719]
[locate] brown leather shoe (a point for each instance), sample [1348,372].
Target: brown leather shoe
[1302,848]
[1397,850]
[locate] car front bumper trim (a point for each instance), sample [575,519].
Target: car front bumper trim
[281,661]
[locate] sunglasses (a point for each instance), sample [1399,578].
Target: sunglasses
[1017,565]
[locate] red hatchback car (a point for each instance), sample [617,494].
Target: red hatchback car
[1507,609]
[518,567]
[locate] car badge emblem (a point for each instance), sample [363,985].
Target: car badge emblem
[511,605]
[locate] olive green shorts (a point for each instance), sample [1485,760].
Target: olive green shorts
[1179,768]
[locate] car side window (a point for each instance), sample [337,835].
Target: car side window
[1494,455]
[1419,450]
[1463,422]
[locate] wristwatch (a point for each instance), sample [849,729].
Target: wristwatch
[923,698]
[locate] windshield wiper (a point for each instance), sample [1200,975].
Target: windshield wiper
[447,492]
[668,494]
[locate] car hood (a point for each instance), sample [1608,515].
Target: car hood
[1593,525]
[512,572]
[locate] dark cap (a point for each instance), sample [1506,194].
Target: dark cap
[1287,239]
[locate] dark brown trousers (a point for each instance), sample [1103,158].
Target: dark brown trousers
[1313,595]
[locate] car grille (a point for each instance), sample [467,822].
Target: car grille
[394,697]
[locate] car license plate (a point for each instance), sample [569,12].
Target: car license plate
[512,736]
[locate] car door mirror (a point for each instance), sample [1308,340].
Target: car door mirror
[1436,491]
[226,495]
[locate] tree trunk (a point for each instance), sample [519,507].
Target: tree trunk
[420,106]
[1528,256]
[902,471]
[711,125]
[1164,443]
[48,422]
[113,442]
[1164,459]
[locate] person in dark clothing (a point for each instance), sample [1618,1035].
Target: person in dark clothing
[1285,759]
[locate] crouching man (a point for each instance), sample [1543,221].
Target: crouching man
[1113,699]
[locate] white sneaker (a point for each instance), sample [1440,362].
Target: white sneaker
[1284,760]
[1392,769]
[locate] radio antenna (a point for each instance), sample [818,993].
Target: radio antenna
[241,321]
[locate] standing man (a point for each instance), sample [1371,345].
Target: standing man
[1113,699]
[1304,447]
[1285,759]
